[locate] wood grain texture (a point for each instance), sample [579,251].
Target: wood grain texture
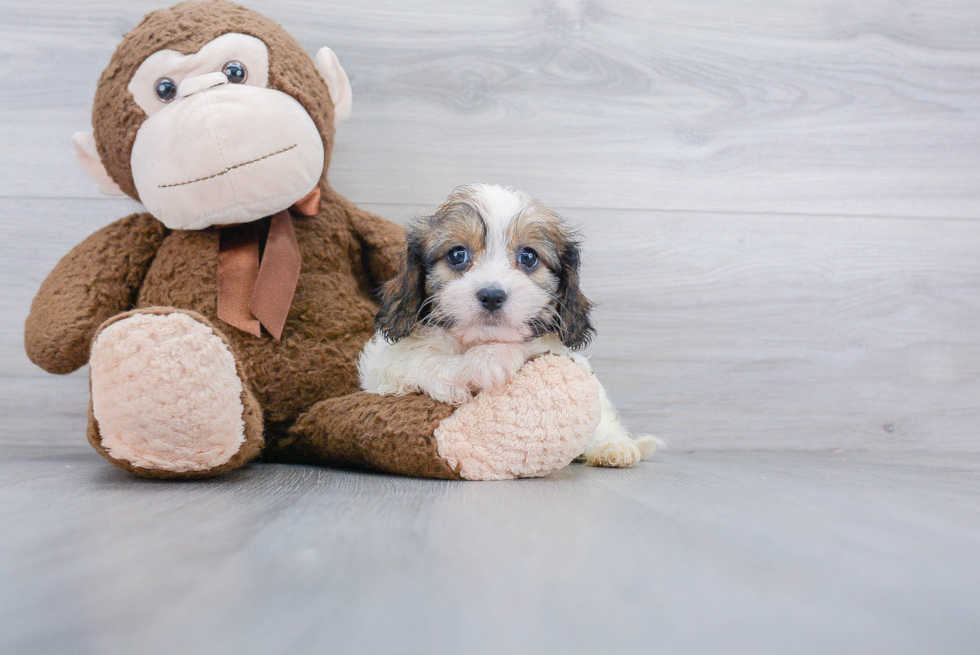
[704,553]
[868,108]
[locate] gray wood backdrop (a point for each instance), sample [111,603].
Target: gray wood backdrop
[780,200]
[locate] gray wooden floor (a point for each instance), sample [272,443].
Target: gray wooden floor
[781,206]
[704,552]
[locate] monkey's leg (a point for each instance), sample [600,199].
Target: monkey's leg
[169,399]
[538,424]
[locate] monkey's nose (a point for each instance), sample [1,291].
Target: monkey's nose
[492,299]
[191,85]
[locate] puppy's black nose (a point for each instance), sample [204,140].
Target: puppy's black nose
[491,298]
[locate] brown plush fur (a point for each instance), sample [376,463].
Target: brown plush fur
[342,431]
[96,280]
[136,263]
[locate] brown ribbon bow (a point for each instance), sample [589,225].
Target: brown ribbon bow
[256,290]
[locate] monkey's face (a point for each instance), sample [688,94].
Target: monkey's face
[218,146]
[212,114]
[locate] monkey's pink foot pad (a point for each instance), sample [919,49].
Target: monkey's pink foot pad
[166,394]
[541,421]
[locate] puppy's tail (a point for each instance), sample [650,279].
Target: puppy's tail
[648,445]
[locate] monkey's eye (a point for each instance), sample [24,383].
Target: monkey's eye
[235,72]
[527,258]
[166,89]
[458,257]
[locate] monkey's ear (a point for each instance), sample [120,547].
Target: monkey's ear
[336,78]
[403,297]
[88,158]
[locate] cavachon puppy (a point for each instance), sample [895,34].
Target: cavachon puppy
[488,281]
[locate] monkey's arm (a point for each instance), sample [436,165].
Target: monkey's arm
[383,243]
[96,280]
[394,434]
[540,422]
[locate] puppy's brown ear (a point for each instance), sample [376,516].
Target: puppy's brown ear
[573,325]
[403,297]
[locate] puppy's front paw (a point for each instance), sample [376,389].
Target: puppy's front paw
[616,454]
[448,392]
[490,367]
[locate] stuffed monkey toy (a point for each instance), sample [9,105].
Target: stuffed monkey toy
[224,324]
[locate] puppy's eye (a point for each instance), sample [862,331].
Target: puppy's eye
[527,258]
[235,72]
[458,257]
[165,89]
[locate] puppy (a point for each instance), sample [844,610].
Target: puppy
[490,280]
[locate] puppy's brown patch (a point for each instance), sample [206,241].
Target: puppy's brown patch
[457,222]
[540,229]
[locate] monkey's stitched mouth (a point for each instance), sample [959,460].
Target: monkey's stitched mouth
[229,169]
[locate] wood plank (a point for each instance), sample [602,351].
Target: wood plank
[703,553]
[764,331]
[801,107]
[715,331]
